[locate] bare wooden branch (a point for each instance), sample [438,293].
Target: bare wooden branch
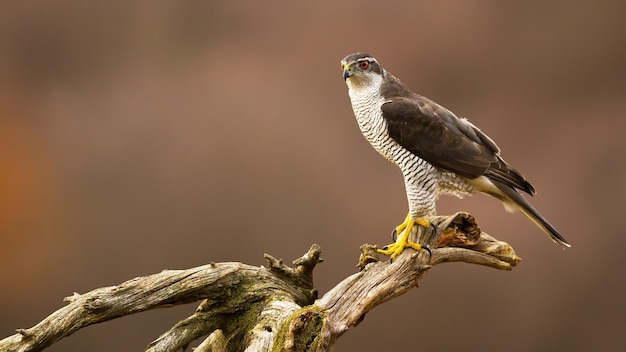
[274,308]
[346,304]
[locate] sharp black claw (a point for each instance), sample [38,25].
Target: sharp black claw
[430,254]
[433,227]
[385,248]
[394,235]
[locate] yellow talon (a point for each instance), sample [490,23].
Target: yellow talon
[404,229]
[407,220]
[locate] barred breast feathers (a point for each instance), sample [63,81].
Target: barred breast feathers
[367,101]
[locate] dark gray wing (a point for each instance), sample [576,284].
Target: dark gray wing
[436,135]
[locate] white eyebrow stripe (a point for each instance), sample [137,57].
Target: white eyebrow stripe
[369,58]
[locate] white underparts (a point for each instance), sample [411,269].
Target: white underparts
[484,185]
[423,181]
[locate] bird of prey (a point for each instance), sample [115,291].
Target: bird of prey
[437,152]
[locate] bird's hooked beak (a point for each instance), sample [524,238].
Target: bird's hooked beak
[347,71]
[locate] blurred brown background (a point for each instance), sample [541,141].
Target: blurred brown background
[136,137]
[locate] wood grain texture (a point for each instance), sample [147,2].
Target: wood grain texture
[273,308]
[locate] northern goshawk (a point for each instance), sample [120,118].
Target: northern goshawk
[437,152]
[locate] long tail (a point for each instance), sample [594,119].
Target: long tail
[520,203]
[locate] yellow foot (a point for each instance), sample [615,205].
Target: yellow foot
[404,229]
[407,222]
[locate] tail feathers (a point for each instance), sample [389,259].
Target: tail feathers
[520,203]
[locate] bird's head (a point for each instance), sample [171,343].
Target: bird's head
[361,71]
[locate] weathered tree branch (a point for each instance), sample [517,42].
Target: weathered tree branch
[274,308]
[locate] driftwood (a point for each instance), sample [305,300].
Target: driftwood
[246,308]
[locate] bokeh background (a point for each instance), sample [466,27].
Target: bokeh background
[142,136]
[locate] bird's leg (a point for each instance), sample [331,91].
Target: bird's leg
[404,229]
[405,223]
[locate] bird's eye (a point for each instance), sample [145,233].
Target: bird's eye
[364,65]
